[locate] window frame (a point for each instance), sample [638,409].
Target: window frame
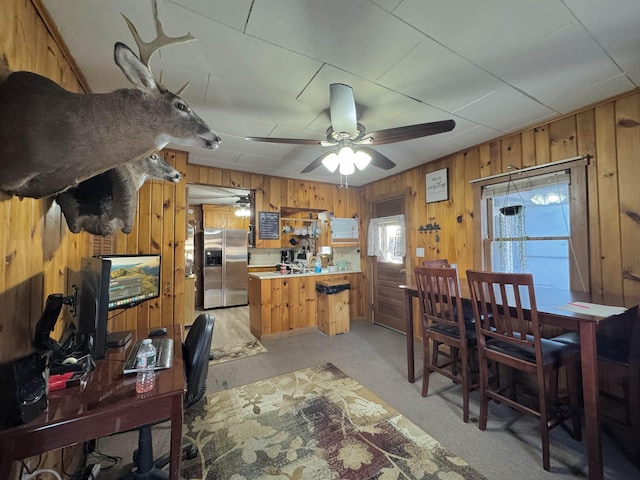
[579,275]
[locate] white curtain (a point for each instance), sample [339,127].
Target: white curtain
[377,241]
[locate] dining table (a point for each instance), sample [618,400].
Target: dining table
[551,305]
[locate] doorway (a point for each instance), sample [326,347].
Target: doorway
[389,269]
[213,207]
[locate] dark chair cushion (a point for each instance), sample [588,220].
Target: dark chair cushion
[552,352]
[470,331]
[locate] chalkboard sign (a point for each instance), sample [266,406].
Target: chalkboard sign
[268,225]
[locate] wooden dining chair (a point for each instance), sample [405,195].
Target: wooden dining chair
[443,323]
[437,263]
[511,337]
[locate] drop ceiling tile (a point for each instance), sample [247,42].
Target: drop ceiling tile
[627,55]
[490,111]
[337,39]
[611,22]
[232,14]
[245,100]
[237,56]
[592,94]
[439,77]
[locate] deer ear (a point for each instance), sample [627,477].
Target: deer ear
[135,71]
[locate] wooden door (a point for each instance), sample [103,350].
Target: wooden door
[388,299]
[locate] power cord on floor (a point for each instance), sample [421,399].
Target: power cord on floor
[35,473]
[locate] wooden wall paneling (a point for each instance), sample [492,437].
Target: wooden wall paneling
[542,144]
[156,244]
[495,159]
[459,206]
[511,152]
[172,305]
[607,169]
[585,127]
[179,161]
[562,138]
[627,117]
[471,218]
[484,154]
[528,148]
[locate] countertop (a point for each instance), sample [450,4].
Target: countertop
[274,275]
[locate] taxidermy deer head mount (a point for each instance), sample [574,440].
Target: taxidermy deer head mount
[52,139]
[107,201]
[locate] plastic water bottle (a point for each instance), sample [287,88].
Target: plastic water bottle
[146,361]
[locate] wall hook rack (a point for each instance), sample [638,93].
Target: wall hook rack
[429,227]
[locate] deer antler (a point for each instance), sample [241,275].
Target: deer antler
[148,49]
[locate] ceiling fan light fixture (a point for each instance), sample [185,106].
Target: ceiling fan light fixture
[346,159]
[331,162]
[361,159]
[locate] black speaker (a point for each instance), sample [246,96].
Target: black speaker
[23,390]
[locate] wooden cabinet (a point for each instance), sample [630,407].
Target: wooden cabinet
[217,216]
[281,306]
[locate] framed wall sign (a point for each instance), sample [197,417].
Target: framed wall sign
[437,186]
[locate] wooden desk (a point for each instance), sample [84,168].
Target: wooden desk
[106,404]
[586,325]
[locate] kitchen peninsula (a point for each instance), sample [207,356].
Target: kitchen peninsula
[281,305]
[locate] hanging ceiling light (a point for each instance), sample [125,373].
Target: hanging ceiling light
[242,207]
[243,212]
[347,160]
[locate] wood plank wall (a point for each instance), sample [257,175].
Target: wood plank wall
[39,254]
[610,132]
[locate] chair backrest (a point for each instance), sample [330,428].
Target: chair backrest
[490,293]
[437,263]
[439,297]
[195,351]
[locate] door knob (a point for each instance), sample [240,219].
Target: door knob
[403,270]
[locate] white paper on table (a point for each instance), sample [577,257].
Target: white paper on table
[592,309]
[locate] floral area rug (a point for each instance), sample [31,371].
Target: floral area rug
[315,424]
[225,354]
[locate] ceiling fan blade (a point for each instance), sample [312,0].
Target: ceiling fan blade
[295,141]
[342,108]
[315,164]
[399,134]
[378,159]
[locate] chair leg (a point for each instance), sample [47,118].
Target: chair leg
[543,397]
[484,385]
[465,385]
[425,365]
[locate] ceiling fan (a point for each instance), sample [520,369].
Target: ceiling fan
[349,139]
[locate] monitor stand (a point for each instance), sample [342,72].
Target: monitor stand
[118,339]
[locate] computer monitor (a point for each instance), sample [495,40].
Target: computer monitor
[133,279]
[93,305]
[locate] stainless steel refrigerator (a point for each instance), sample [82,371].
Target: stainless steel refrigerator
[225,267]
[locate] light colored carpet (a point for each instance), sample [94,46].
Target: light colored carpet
[226,354]
[315,423]
[376,357]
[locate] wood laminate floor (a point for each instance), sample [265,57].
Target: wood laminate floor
[231,327]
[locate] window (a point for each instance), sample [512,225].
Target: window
[534,220]
[387,239]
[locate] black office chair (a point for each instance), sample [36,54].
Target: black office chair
[195,352]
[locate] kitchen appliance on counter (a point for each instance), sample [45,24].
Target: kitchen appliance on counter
[286,255]
[225,267]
